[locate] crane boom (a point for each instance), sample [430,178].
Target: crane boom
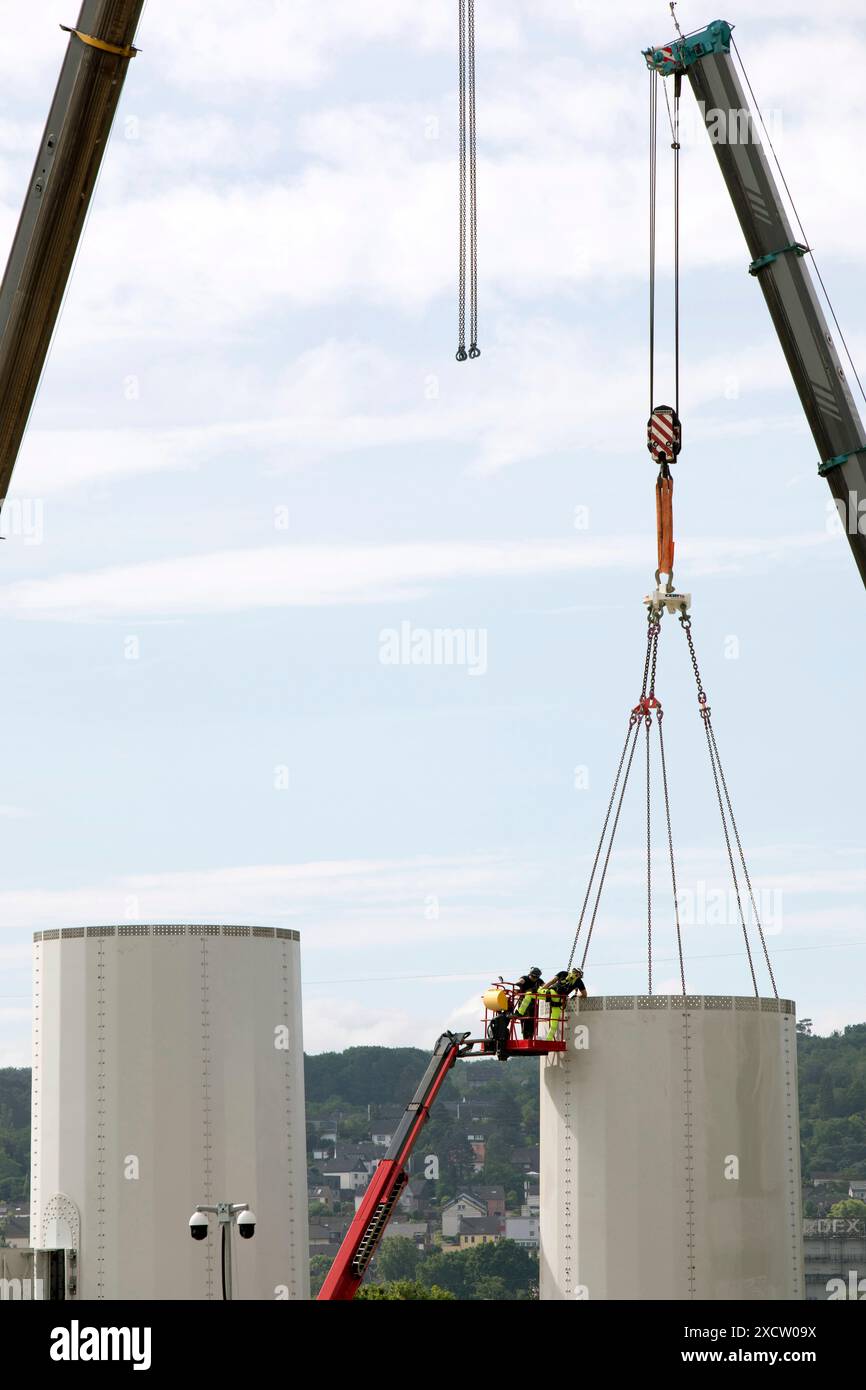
[55,207]
[389,1179]
[779,265]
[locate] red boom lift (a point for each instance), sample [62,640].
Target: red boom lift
[359,1244]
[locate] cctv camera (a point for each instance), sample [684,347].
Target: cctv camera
[246,1224]
[198,1225]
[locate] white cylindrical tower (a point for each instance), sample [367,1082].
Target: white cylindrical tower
[670,1161]
[168,1073]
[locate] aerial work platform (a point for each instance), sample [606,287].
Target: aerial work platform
[501,1002]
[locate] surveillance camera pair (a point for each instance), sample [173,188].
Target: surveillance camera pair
[246,1224]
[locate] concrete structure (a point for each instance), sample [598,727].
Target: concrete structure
[670,1151]
[834,1252]
[168,1072]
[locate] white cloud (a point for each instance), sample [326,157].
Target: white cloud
[333,1024]
[333,900]
[234,581]
[345,396]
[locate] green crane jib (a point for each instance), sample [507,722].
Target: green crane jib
[55,208]
[780,266]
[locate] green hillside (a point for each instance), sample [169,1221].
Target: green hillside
[832,1103]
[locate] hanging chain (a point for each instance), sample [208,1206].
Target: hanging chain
[671,849]
[467,159]
[716,768]
[630,737]
[678,79]
[655,627]
[474,350]
[636,726]
[461,140]
[653,158]
[649,890]
[712,733]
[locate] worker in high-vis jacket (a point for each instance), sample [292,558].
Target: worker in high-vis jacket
[558,991]
[527,1000]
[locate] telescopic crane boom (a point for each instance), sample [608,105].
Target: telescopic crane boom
[506,1034]
[389,1179]
[780,266]
[55,208]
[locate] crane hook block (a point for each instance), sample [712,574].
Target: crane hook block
[664,434]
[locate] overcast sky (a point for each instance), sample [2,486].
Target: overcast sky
[254,464]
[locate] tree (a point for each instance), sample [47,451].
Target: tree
[490,1289]
[826,1097]
[362,1076]
[446,1138]
[509,1262]
[397,1259]
[850,1208]
[354,1127]
[319,1266]
[498,1270]
[449,1272]
[854,1097]
[403,1289]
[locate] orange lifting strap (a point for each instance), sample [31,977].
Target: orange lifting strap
[665,523]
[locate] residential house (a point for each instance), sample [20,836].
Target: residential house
[324,1196]
[523,1230]
[383,1125]
[351,1174]
[834,1258]
[493,1197]
[326,1235]
[359,1148]
[478,1145]
[15,1223]
[416,1231]
[461,1208]
[15,1230]
[483,1230]
[325,1128]
[529,1159]
[415,1197]
[857,1188]
[531,1198]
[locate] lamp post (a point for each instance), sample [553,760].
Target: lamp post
[227,1214]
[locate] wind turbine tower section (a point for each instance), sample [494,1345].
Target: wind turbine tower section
[168,1074]
[670,1154]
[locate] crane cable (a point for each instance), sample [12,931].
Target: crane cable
[664,439]
[724,799]
[664,430]
[468,184]
[797,217]
[648,707]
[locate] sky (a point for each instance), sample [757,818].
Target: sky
[256,485]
